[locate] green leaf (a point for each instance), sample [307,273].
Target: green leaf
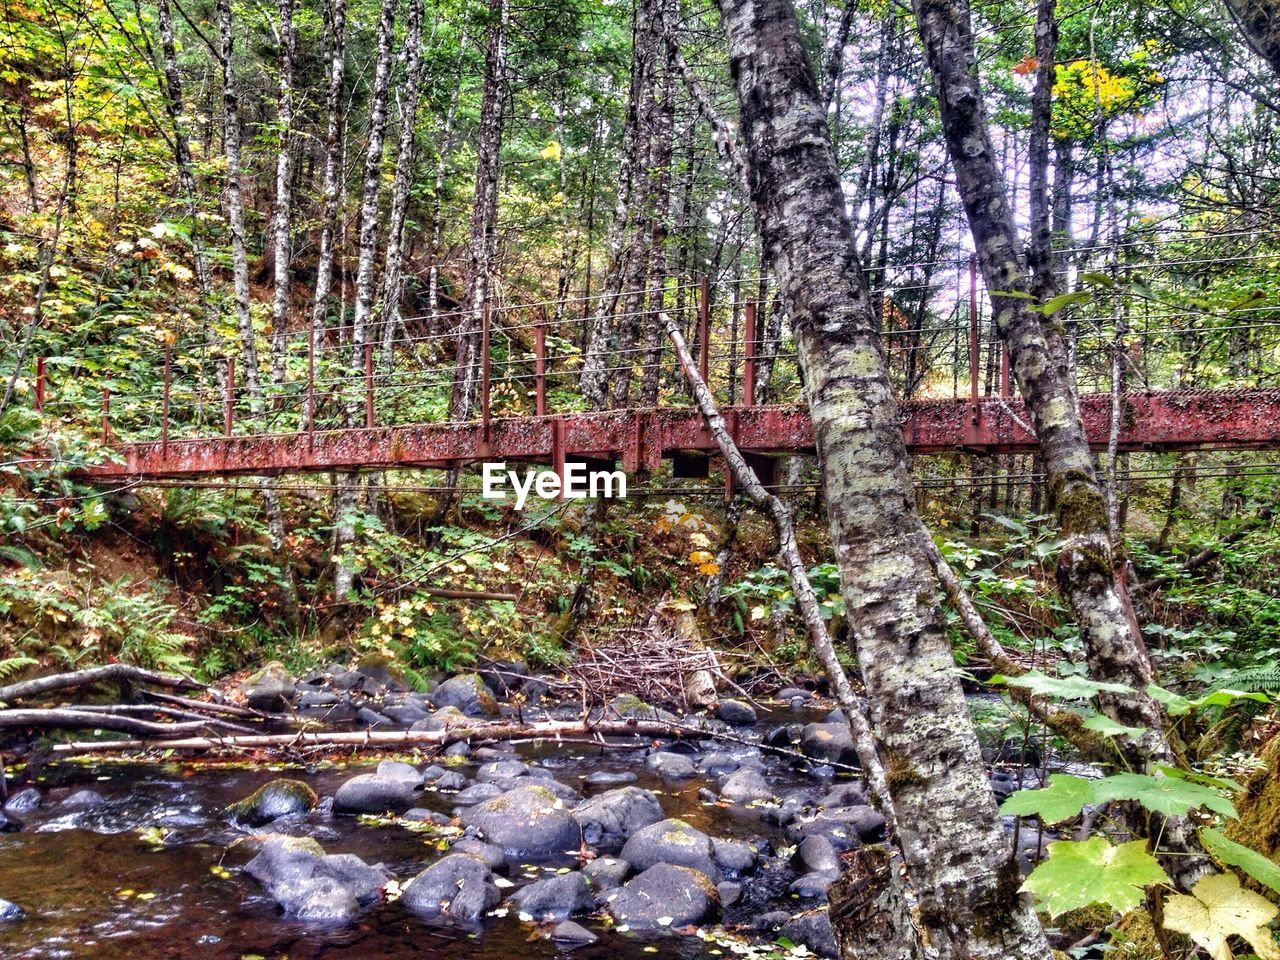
[1065,300]
[1235,854]
[1220,783]
[1063,688]
[1174,704]
[1110,728]
[1097,280]
[1166,795]
[1079,874]
[1062,799]
[1224,698]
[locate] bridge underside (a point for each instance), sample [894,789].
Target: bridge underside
[1239,419]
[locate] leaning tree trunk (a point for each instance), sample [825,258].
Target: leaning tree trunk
[1259,21]
[957,854]
[393,273]
[484,213]
[1087,567]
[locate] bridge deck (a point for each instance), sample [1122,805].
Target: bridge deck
[1237,419]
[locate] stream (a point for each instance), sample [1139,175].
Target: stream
[138,876]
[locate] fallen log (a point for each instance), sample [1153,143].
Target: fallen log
[68,719]
[111,672]
[159,710]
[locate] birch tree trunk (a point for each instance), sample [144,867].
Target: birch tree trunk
[336,34]
[283,224]
[442,168]
[393,276]
[235,207]
[955,848]
[484,212]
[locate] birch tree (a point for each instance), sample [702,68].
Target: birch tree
[282,227]
[954,845]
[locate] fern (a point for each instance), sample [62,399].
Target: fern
[10,666]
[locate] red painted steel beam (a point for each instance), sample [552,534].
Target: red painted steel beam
[1236,419]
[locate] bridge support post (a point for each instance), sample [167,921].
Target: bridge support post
[749,357]
[106,414]
[229,401]
[311,390]
[368,384]
[1005,389]
[558,451]
[540,369]
[39,385]
[704,329]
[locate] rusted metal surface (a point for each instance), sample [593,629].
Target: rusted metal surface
[642,438]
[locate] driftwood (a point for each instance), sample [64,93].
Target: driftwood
[112,672]
[69,719]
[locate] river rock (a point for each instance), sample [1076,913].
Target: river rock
[24,801]
[488,854]
[672,842]
[817,853]
[468,693]
[271,688]
[828,742]
[813,885]
[527,822]
[671,766]
[477,793]
[609,778]
[500,770]
[82,800]
[405,714]
[733,857]
[276,798]
[609,819]
[606,873]
[812,930]
[736,712]
[315,886]
[9,823]
[375,793]
[844,795]
[845,827]
[446,718]
[665,896]
[10,911]
[456,886]
[745,785]
[569,935]
[555,898]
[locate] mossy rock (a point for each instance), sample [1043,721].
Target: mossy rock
[631,707]
[272,800]
[382,668]
[1077,924]
[244,849]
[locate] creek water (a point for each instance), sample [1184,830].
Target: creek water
[95,887]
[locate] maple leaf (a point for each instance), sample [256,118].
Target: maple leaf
[1218,909]
[1079,874]
[1028,65]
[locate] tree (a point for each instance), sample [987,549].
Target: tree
[1259,21]
[954,845]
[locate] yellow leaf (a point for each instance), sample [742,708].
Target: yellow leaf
[1220,909]
[551,151]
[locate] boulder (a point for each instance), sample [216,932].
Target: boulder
[846,827]
[491,856]
[500,770]
[817,853]
[399,770]
[730,893]
[672,842]
[733,857]
[736,712]
[555,898]
[405,714]
[270,689]
[10,911]
[374,793]
[609,819]
[829,743]
[456,886]
[446,718]
[528,822]
[665,896]
[383,670]
[609,778]
[468,693]
[605,873]
[372,718]
[844,795]
[744,786]
[274,799]
[813,886]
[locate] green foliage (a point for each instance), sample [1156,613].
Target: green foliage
[1235,854]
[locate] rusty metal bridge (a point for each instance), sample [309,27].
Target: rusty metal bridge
[331,413]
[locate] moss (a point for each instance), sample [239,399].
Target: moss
[1078,924]
[1134,937]
[1079,503]
[680,833]
[1259,807]
[381,667]
[899,773]
[273,671]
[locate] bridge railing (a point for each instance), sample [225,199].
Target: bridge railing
[1183,319]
